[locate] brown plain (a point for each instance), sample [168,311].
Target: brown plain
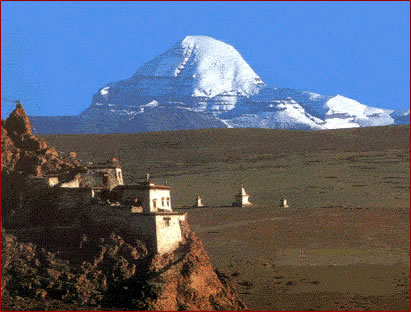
[344,243]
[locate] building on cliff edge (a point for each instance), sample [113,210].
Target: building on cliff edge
[148,204]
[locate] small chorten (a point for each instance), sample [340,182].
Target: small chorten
[198,203]
[283,203]
[241,199]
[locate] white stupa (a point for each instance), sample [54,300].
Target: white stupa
[198,203]
[283,203]
[241,199]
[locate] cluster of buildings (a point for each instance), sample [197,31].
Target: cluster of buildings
[149,204]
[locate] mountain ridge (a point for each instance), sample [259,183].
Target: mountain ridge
[201,82]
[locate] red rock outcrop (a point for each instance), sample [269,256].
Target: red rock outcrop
[24,159]
[22,151]
[180,280]
[188,281]
[114,273]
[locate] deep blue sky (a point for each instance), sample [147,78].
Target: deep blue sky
[56,55]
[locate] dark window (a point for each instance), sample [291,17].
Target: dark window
[167,221]
[105,179]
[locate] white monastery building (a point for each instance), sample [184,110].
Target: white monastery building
[151,209]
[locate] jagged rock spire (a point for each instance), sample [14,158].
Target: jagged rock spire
[18,123]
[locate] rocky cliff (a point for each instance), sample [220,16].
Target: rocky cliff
[25,159]
[88,263]
[111,273]
[28,154]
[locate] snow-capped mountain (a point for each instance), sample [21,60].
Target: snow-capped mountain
[288,108]
[202,82]
[199,72]
[199,66]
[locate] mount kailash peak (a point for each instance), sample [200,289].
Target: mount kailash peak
[202,82]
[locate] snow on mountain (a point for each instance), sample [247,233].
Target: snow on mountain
[207,78]
[344,107]
[343,112]
[203,73]
[282,114]
[401,117]
[210,66]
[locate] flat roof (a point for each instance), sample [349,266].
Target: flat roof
[143,186]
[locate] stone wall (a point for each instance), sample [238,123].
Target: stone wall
[145,228]
[94,177]
[160,231]
[71,184]
[168,231]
